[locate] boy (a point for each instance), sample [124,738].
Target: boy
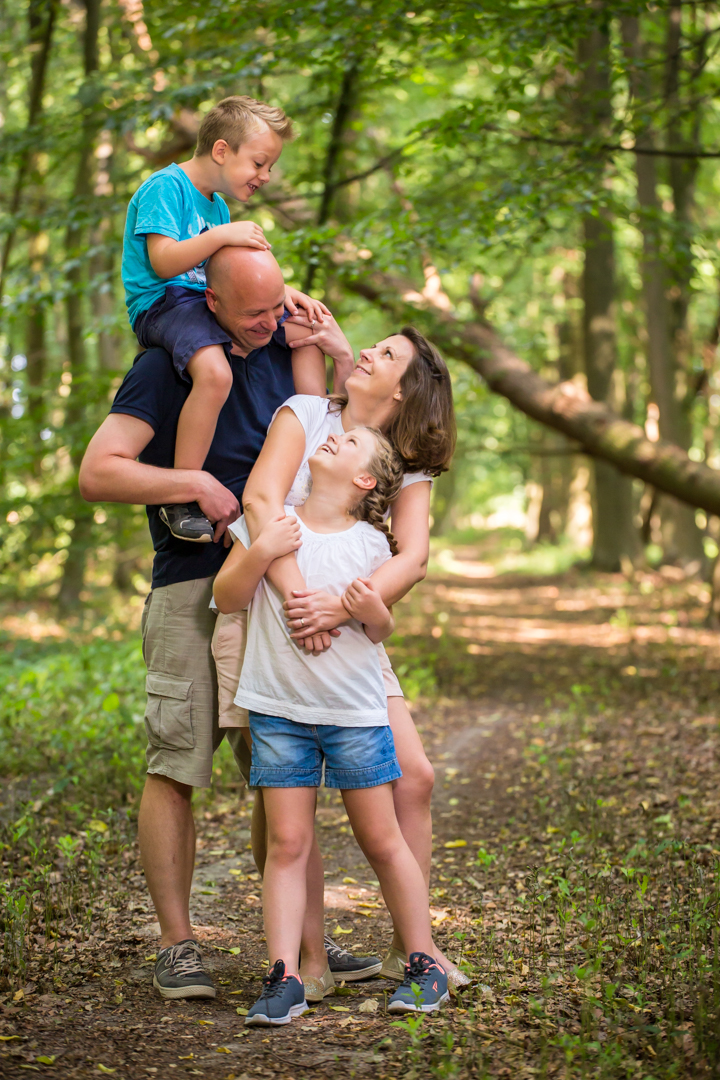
[176,220]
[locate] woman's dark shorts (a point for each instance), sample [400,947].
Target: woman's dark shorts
[181,323]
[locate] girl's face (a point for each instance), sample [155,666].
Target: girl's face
[248,169]
[343,459]
[380,369]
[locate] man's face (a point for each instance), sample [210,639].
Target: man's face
[249,309]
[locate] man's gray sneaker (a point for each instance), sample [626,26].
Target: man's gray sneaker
[179,972]
[347,967]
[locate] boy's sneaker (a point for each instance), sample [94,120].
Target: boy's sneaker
[187,522]
[424,988]
[179,972]
[283,997]
[348,967]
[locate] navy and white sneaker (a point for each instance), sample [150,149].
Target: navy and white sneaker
[345,966]
[424,988]
[283,997]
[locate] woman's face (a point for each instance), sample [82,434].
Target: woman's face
[379,370]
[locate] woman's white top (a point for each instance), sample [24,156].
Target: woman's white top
[318,422]
[344,684]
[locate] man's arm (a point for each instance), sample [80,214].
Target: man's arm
[111,473]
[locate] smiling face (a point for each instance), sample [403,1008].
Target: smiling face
[344,459]
[379,370]
[246,293]
[244,171]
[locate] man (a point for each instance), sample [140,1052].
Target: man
[130,460]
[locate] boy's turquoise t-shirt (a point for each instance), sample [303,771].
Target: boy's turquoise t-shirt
[167,203]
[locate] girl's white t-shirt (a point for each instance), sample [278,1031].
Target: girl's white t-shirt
[342,686]
[318,422]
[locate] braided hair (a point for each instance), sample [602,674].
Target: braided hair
[387,469]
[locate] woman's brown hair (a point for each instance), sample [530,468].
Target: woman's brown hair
[423,428]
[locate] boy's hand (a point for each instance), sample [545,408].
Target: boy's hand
[314,310]
[244,234]
[279,537]
[363,602]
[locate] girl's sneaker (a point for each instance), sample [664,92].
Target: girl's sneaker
[283,997]
[424,988]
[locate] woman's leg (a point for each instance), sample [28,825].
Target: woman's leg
[290,816]
[376,830]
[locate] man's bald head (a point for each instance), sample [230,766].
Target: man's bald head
[246,293]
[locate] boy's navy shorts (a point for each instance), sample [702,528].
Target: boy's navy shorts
[181,323]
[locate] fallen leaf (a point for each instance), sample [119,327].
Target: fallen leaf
[97,826]
[105,1068]
[339,930]
[455,843]
[241,1033]
[236,873]
[152,956]
[339,1008]
[7,1038]
[19,995]
[206,1022]
[241,1011]
[222,1050]
[349,881]
[185,1057]
[166,1019]
[34,1067]
[46,1060]
[369,1006]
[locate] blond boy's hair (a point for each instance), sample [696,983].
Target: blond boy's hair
[235,118]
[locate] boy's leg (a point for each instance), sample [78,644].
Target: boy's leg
[372,817]
[290,816]
[211,375]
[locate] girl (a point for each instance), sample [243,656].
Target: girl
[305,709]
[401,386]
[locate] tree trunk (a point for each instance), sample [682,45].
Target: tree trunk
[41,19]
[564,406]
[443,501]
[74,568]
[615,538]
[682,538]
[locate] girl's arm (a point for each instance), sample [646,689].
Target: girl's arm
[241,573]
[169,257]
[395,578]
[362,600]
[264,498]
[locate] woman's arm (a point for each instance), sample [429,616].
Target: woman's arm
[395,578]
[238,578]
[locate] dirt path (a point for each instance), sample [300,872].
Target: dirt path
[569,722]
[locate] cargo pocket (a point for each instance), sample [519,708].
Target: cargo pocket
[168,715]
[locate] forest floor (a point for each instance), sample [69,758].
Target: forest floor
[574,727]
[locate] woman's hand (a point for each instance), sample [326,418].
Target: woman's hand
[311,612]
[326,334]
[314,311]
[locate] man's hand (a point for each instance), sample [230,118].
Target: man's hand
[362,600]
[278,537]
[243,234]
[312,310]
[218,504]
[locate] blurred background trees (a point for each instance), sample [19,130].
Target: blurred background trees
[543,176]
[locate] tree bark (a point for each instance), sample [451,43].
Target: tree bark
[41,18]
[74,568]
[615,538]
[668,385]
[564,406]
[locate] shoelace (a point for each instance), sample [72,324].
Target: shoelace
[417,969]
[185,959]
[335,951]
[273,982]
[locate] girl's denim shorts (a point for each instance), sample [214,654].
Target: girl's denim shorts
[291,755]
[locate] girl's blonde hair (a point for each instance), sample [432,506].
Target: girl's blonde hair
[387,469]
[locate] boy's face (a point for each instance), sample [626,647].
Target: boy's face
[242,173]
[346,457]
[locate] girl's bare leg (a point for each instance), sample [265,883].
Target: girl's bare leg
[290,821]
[411,796]
[376,830]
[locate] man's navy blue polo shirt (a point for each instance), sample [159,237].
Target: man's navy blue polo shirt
[153,391]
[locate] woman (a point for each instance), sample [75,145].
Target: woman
[402,387]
